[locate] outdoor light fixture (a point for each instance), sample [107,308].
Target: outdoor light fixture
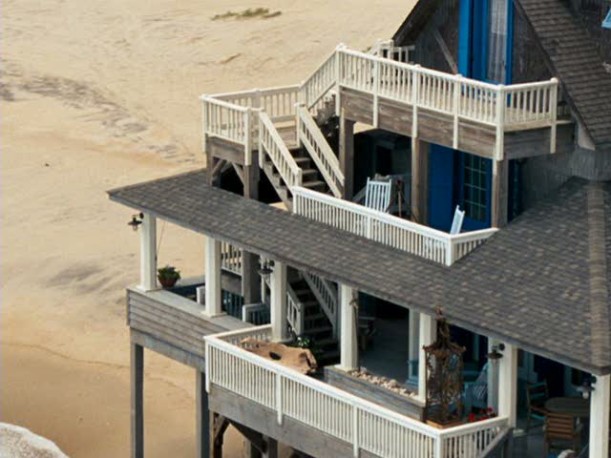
[495,354]
[586,387]
[136,221]
[266,270]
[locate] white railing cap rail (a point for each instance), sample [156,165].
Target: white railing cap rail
[237,332]
[364,211]
[462,430]
[264,91]
[324,388]
[222,103]
[473,235]
[321,387]
[449,76]
[330,56]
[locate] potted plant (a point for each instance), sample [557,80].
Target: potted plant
[168,276]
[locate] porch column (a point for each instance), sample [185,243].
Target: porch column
[348,341]
[346,154]
[148,253]
[500,189]
[251,281]
[213,277]
[202,415]
[428,335]
[278,302]
[599,417]
[508,384]
[493,378]
[413,349]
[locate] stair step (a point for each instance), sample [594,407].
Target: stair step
[302,161]
[309,172]
[320,185]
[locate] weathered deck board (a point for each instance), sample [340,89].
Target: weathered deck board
[433,127]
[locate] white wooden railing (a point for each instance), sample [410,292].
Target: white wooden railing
[398,233]
[231,258]
[310,136]
[363,424]
[233,116]
[320,82]
[272,146]
[256,314]
[278,103]
[388,50]
[327,296]
[511,107]
[295,312]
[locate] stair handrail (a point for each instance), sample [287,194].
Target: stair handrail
[326,294]
[321,81]
[272,145]
[295,313]
[310,136]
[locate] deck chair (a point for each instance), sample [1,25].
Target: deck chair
[536,395]
[560,431]
[377,194]
[457,221]
[476,393]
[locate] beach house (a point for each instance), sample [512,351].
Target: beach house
[429,219]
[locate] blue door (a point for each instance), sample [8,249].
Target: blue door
[475,191]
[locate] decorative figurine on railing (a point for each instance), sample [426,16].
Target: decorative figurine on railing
[444,374]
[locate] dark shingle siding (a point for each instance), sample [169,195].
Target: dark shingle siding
[576,62]
[528,285]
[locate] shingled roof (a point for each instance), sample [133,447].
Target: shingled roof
[574,59]
[542,283]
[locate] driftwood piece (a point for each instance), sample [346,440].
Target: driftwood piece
[300,359]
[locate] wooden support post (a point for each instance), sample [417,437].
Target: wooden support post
[346,154]
[278,303]
[251,281]
[348,323]
[413,349]
[428,335]
[213,277]
[600,399]
[419,184]
[271,446]
[218,426]
[137,400]
[202,418]
[508,384]
[148,253]
[500,193]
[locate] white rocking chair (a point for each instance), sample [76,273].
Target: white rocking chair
[459,218]
[377,195]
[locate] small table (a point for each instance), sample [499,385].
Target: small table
[573,406]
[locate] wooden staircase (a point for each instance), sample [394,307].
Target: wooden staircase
[311,176]
[316,324]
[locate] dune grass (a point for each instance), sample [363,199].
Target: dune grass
[250,13]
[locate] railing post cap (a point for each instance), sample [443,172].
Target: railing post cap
[554,80]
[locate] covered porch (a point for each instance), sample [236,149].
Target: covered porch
[358,264]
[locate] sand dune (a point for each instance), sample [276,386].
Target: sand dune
[96,95]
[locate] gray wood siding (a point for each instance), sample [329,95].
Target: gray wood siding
[433,127]
[174,321]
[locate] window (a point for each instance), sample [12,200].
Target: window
[475,187]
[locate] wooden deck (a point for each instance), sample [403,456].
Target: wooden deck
[438,128]
[173,325]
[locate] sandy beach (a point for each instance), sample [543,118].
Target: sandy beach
[97,95]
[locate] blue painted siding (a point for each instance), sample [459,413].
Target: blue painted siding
[441,187]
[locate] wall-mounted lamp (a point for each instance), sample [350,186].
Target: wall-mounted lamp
[266,269]
[586,387]
[136,221]
[495,353]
